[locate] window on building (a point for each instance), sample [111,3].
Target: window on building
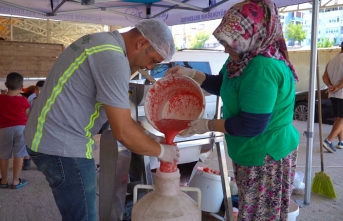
[298,15]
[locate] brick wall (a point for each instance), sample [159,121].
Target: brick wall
[29,59]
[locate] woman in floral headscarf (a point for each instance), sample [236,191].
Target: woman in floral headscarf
[257,86]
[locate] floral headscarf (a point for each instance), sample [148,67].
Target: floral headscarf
[252,28]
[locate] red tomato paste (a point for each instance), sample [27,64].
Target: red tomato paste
[170,128]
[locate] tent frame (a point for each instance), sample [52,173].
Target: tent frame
[185,6]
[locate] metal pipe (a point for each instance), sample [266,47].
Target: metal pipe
[185,5]
[124,14]
[57,7]
[168,8]
[11,28]
[225,180]
[48,30]
[21,7]
[78,11]
[311,103]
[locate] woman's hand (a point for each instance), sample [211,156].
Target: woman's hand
[199,126]
[179,71]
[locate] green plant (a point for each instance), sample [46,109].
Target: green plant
[199,40]
[295,32]
[325,43]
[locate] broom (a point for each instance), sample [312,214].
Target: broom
[322,183]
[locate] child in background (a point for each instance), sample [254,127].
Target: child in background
[39,86]
[38,89]
[13,116]
[28,92]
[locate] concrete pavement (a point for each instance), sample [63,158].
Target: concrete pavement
[35,201]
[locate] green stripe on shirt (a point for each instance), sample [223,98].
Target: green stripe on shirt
[59,88]
[90,143]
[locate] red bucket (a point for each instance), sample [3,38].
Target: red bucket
[174,98]
[171,103]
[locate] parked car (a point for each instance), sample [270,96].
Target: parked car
[301,107]
[207,61]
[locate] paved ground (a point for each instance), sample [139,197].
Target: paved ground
[35,201]
[320,208]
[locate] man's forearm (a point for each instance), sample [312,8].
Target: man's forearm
[326,79]
[340,84]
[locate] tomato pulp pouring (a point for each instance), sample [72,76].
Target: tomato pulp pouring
[170,128]
[170,104]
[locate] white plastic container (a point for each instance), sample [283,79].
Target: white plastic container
[178,98]
[166,202]
[293,211]
[211,190]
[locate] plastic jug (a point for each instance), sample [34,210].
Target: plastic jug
[170,104]
[166,201]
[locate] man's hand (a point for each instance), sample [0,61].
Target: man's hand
[169,153]
[181,71]
[199,126]
[334,88]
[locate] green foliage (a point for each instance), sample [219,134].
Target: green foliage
[325,43]
[199,40]
[295,32]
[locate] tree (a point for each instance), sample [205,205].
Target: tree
[295,32]
[325,43]
[199,40]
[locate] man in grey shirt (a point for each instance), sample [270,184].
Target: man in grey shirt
[87,85]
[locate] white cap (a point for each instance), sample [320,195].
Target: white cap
[159,35]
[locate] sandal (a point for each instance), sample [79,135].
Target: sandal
[22,182]
[3,185]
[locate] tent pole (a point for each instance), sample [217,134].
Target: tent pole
[184,5]
[148,10]
[11,28]
[48,31]
[311,104]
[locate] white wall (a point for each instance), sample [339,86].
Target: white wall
[27,82]
[215,58]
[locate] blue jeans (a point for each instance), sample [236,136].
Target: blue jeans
[73,184]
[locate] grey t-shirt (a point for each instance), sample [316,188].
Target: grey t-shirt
[92,71]
[335,72]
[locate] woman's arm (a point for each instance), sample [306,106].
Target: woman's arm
[212,83]
[243,125]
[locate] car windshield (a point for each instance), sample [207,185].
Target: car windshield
[159,69]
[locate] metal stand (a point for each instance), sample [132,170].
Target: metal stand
[225,183]
[113,177]
[137,93]
[114,158]
[114,171]
[223,170]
